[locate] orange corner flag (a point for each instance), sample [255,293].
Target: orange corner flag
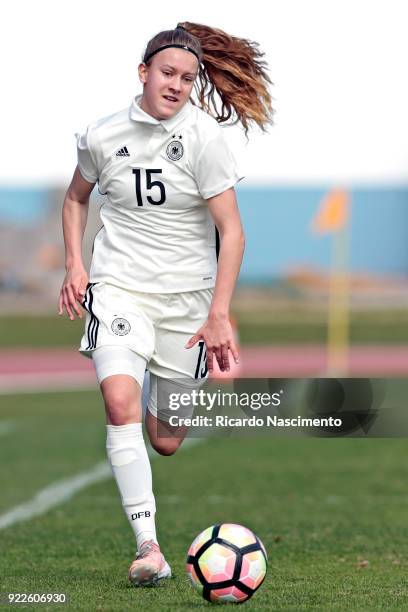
[333,212]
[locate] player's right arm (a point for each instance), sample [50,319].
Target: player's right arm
[74,217]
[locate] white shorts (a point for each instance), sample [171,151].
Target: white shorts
[156,326]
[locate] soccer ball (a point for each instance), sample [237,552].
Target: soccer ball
[227,563]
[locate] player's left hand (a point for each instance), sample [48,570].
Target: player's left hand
[219,339]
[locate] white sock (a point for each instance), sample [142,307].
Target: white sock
[130,464]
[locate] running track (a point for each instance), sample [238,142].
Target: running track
[36,369]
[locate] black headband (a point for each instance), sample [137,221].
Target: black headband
[146,59]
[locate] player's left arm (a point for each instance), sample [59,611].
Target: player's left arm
[217,332]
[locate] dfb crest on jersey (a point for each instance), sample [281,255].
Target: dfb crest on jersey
[175,150]
[120,326]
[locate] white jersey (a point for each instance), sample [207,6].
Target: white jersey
[157,234]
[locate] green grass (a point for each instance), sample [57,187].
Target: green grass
[321,507]
[257,327]
[297,326]
[40,331]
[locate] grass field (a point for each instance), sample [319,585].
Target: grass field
[332,514]
[258,326]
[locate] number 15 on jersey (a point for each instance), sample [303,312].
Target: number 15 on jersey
[147,176]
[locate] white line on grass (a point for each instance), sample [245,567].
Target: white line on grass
[54,495]
[61,491]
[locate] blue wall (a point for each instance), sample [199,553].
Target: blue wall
[277,226]
[23,206]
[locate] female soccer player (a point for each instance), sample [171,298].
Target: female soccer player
[156,298]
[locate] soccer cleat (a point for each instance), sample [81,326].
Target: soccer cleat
[149,566]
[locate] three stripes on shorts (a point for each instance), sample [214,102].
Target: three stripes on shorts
[93,326]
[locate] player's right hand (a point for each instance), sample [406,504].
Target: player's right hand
[73,291]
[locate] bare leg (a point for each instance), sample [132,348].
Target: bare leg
[164,438]
[122,397]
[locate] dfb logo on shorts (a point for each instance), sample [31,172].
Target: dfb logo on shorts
[175,150]
[120,326]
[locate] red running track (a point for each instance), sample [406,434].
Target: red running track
[36,369]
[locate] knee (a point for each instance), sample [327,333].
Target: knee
[166,446]
[118,406]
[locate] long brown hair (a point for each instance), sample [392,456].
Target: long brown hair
[231,68]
